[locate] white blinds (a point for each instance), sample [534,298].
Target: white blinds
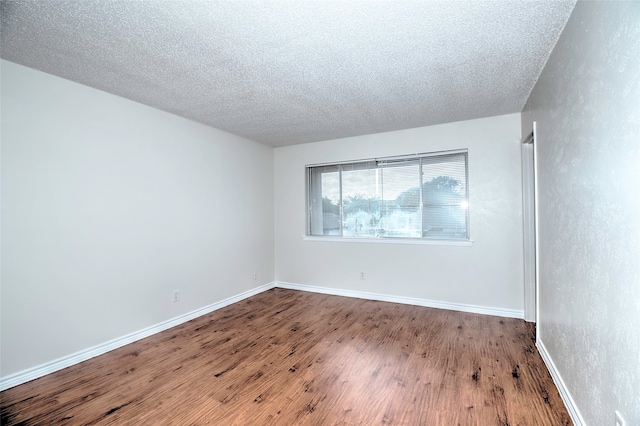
[421,196]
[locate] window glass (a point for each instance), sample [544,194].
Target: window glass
[418,196]
[361,190]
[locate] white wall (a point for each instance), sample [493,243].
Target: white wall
[489,274]
[108,206]
[587,107]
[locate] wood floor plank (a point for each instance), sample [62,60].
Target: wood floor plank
[287,357]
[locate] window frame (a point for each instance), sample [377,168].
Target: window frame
[381,238]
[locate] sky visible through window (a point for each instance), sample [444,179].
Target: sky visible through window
[364,184]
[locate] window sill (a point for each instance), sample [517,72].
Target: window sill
[430,242]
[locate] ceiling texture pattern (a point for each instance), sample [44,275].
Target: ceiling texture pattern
[288,72]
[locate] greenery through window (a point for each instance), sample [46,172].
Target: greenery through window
[417,196]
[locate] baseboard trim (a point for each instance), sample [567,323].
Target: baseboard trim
[500,312]
[572,408]
[78,357]
[75,358]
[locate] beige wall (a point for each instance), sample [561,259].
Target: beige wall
[587,106]
[488,274]
[108,206]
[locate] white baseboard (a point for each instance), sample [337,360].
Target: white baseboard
[574,413]
[75,358]
[69,360]
[500,312]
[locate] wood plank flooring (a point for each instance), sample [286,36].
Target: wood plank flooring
[287,357]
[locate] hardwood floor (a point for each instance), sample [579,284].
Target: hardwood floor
[287,357]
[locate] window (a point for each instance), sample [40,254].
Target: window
[418,196]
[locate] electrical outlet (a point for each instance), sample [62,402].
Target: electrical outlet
[619,420]
[255,275]
[176,295]
[362,275]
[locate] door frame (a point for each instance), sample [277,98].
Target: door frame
[530,225]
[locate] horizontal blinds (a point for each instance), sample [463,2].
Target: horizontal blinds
[445,199]
[421,196]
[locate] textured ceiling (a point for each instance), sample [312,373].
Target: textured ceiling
[287,72]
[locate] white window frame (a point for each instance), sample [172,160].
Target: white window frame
[466,241]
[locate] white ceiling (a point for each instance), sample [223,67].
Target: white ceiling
[288,72]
